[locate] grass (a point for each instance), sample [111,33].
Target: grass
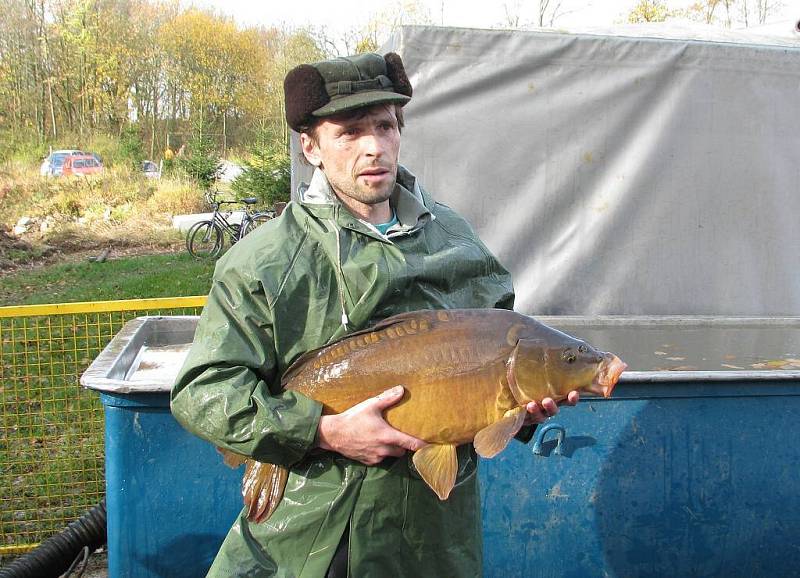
[120,208]
[166,275]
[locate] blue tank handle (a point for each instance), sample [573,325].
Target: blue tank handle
[541,432]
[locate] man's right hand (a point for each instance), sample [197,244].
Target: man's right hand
[361,433]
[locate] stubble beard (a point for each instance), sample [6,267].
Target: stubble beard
[363,194]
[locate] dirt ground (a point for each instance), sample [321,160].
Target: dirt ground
[28,251]
[11,247]
[95,567]
[40,255]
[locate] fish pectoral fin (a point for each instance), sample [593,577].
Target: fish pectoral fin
[493,439]
[438,464]
[262,489]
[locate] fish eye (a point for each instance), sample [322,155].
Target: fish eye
[568,356]
[583,349]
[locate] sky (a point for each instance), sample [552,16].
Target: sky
[338,16]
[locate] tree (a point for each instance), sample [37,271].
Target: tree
[131,146]
[24,79]
[513,15]
[267,172]
[369,37]
[200,163]
[287,49]
[549,11]
[736,12]
[703,11]
[150,90]
[763,8]
[648,11]
[212,61]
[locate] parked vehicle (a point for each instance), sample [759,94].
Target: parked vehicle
[81,165]
[54,162]
[228,171]
[151,170]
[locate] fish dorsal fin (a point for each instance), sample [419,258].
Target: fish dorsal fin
[493,439]
[438,464]
[411,322]
[262,489]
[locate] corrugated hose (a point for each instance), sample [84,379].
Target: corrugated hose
[62,552]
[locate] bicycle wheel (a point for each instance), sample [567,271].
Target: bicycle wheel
[255,221]
[234,232]
[204,240]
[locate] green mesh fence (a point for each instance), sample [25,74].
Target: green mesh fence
[51,429]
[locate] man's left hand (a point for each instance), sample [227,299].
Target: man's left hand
[538,412]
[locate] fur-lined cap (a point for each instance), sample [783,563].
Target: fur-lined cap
[333,86]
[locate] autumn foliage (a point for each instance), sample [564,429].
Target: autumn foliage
[72,68]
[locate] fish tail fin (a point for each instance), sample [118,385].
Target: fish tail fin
[262,489]
[231,459]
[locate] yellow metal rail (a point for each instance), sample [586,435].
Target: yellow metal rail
[102,306]
[51,429]
[15,550]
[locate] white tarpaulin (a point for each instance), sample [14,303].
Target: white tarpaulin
[616,175]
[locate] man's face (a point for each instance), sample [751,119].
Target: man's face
[358,153]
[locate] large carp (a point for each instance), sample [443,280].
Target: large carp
[467,373]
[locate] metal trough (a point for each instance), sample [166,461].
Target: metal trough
[690,469]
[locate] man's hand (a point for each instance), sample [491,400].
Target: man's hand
[538,412]
[361,433]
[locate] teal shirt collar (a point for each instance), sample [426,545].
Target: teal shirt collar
[384,227]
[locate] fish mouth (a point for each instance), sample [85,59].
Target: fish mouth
[606,379]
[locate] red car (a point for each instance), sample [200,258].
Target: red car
[81,165]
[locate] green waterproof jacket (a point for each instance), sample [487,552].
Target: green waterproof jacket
[296,283]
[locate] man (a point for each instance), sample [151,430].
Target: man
[364,242]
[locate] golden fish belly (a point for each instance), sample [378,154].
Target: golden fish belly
[450,411]
[454,379]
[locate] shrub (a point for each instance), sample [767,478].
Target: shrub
[200,163]
[131,147]
[267,174]
[23,145]
[174,196]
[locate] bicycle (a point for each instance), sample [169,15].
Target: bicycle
[206,239]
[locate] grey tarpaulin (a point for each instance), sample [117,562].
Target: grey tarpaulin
[615,175]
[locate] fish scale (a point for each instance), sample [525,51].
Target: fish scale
[432,358]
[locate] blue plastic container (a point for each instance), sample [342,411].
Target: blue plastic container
[690,469]
[169,497]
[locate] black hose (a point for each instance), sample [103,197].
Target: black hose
[53,556]
[83,558]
